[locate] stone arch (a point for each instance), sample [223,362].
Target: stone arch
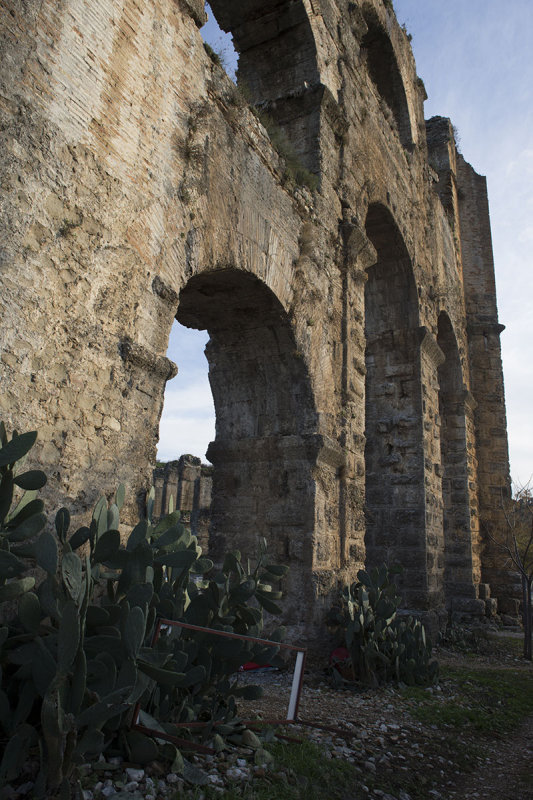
[263,452]
[394,451]
[275,43]
[278,67]
[385,74]
[457,543]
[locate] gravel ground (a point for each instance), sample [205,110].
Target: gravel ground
[379,737]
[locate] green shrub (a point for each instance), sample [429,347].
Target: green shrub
[216,58]
[73,666]
[295,172]
[383,645]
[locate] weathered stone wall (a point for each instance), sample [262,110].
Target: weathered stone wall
[354,344]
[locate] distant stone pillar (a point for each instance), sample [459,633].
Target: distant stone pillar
[158,482]
[189,468]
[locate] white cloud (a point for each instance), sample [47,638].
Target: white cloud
[192,397]
[185,435]
[188,420]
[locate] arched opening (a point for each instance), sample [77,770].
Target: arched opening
[182,479]
[277,69]
[455,496]
[385,74]
[265,417]
[188,420]
[275,44]
[219,44]
[394,483]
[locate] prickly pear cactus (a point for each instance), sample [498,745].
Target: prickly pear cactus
[383,645]
[72,666]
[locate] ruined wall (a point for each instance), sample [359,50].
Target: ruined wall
[356,397]
[185,485]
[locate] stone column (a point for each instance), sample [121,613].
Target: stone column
[431,358]
[483,330]
[359,254]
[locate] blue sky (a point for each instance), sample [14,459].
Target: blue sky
[475,57]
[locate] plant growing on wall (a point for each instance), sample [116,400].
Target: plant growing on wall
[71,666]
[382,645]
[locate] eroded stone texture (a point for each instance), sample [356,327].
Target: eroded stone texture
[354,340]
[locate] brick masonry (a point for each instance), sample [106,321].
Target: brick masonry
[354,340]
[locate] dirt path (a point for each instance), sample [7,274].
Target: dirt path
[507,773]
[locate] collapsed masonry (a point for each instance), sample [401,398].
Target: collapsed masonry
[354,347]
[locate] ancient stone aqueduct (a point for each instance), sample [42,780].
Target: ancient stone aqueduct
[354,350]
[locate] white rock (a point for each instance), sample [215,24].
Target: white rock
[236,774]
[134,774]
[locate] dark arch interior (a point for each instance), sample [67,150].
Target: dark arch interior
[260,385]
[385,74]
[275,44]
[455,498]
[393,452]
[265,420]
[277,58]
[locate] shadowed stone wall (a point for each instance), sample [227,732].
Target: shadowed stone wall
[354,341]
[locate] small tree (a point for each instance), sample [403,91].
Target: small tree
[516,543]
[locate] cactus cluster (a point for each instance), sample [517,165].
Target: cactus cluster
[76,654]
[383,645]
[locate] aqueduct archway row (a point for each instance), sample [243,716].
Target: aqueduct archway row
[354,341]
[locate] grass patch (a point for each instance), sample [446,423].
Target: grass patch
[479,700]
[295,172]
[216,58]
[300,772]
[506,645]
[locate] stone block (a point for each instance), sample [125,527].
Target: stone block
[509,606]
[491,607]
[468,606]
[483,590]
